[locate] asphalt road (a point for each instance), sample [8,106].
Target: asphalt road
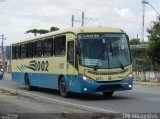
[139,100]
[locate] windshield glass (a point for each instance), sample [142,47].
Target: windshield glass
[104,50]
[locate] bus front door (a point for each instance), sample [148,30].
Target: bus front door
[71,71]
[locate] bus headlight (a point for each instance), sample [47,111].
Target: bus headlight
[87,79]
[129,76]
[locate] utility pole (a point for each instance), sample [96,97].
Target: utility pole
[3,56]
[143,18]
[2,37]
[72,20]
[82,18]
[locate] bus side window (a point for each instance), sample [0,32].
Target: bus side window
[17,51]
[13,52]
[39,48]
[60,46]
[30,49]
[23,50]
[48,44]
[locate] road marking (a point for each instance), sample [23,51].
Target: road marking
[68,103]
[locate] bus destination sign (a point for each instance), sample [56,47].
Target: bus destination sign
[90,35]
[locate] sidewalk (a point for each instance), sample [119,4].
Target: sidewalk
[147,84]
[15,106]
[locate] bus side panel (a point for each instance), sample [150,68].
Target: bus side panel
[37,79]
[44,80]
[74,84]
[18,77]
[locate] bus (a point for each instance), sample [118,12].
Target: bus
[81,60]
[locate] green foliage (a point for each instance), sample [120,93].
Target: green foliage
[35,31]
[54,28]
[42,31]
[134,41]
[154,39]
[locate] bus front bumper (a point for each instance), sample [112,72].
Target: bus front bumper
[110,86]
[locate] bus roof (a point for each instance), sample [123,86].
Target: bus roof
[95,29]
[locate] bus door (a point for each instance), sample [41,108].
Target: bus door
[71,70]
[70,57]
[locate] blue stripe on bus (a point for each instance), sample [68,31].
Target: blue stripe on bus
[75,83]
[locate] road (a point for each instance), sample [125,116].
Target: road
[139,100]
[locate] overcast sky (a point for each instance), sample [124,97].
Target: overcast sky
[18,16]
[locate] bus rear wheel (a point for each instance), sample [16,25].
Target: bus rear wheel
[27,83]
[108,94]
[63,87]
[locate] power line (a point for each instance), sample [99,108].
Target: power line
[82,19]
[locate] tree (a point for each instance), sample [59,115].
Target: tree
[54,28]
[134,41]
[154,39]
[42,31]
[35,31]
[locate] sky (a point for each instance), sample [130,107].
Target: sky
[18,16]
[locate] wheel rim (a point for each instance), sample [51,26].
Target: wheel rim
[63,87]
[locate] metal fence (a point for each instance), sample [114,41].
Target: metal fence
[150,76]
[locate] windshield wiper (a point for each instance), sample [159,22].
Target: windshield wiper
[96,67]
[121,65]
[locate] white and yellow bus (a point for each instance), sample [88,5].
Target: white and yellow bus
[81,60]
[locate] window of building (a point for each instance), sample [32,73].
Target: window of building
[48,47]
[60,46]
[39,48]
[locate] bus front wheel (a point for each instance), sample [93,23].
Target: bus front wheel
[27,83]
[108,94]
[63,87]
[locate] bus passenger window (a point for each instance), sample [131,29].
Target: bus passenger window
[13,52]
[30,49]
[23,50]
[60,46]
[17,51]
[48,44]
[38,48]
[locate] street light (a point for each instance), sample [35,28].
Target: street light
[146,2]
[143,16]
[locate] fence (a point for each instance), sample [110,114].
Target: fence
[150,76]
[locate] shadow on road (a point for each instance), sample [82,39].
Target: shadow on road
[77,96]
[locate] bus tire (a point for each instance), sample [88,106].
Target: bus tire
[27,83]
[63,87]
[108,94]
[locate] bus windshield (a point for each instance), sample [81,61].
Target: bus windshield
[104,51]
